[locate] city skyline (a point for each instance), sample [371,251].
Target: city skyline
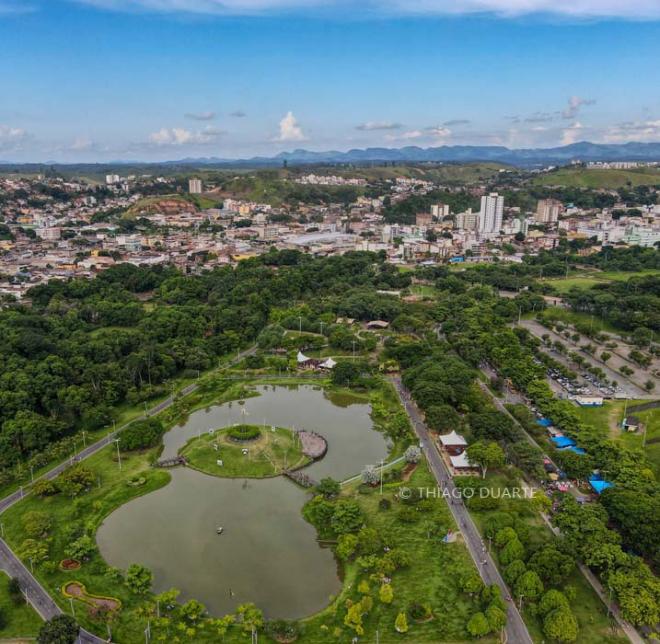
[93,81]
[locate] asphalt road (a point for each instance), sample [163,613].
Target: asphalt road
[35,593]
[516,630]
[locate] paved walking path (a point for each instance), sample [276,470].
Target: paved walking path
[35,593]
[516,630]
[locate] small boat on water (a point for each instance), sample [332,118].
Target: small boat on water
[219,530]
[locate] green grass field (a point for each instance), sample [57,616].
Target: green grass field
[571,317]
[596,178]
[587,279]
[268,455]
[20,620]
[609,417]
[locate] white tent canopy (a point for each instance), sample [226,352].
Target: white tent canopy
[328,364]
[461,462]
[302,357]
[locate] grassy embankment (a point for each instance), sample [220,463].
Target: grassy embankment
[19,621]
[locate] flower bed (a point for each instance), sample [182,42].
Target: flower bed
[69,564]
[77,590]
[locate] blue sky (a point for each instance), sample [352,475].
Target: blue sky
[86,80]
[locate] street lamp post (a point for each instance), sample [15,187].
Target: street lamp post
[381,476]
[118,452]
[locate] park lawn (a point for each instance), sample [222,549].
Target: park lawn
[589,610]
[20,621]
[564,284]
[572,317]
[610,416]
[269,455]
[433,576]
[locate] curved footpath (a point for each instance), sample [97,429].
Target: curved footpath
[516,630]
[34,592]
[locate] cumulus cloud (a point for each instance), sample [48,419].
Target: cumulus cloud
[633,9]
[575,104]
[439,132]
[370,126]
[201,116]
[290,130]
[572,133]
[180,136]
[12,138]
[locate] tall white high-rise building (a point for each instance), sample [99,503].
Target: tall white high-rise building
[491,214]
[195,186]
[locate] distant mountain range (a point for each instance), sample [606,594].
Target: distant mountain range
[530,157]
[582,151]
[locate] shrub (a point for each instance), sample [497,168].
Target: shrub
[141,435]
[244,433]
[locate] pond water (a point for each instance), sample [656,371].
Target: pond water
[268,553]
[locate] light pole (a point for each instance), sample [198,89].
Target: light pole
[32,473]
[84,438]
[300,325]
[118,452]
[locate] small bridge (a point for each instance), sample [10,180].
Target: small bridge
[172,462]
[302,479]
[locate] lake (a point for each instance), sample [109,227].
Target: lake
[268,554]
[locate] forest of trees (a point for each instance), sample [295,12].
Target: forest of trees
[85,346]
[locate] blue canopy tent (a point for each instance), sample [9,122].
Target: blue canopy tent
[577,450]
[561,442]
[544,422]
[598,484]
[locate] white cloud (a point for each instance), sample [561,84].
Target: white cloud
[180,136]
[82,143]
[635,9]
[439,132]
[370,126]
[430,134]
[642,131]
[201,116]
[575,104]
[15,6]
[12,138]
[238,114]
[290,130]
[571,134]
